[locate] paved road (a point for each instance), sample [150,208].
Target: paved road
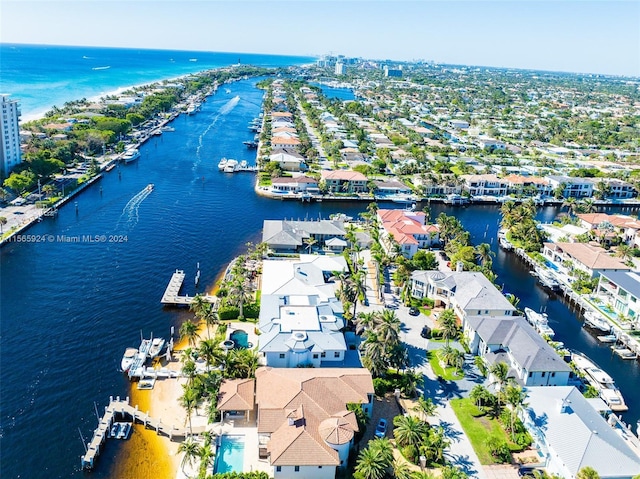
[460,452]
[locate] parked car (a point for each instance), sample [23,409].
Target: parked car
[414,311]
[527,472]
[381,428]
[426,332]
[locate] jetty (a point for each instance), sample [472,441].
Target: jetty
[172,295]
[120,408]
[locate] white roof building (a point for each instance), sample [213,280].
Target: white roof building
[571,435]
[300,317]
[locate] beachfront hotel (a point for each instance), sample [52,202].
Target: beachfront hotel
[10,139]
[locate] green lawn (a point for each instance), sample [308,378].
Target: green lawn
[449,374]
[478,428]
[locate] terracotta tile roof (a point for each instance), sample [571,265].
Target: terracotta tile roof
[593,257]
[303,408]
[236,395]
[404,227]
[343,175]
[523,180]
[282,114]
[278,140]
[619,221]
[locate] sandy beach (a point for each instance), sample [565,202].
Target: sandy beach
[148,454]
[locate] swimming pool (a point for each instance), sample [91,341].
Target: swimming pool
[551,265]
[230,455]
[240,338]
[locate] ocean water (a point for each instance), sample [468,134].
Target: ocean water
[43,76]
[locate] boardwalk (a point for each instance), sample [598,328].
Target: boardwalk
[122,408]
[172,293]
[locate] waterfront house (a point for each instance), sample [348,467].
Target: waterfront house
[284,142]
[619,189]
[484,185]
[589,258]
[531,361]
[470,294]
[300,318]
[342,181]
[289,236]
[298,184]
[288,159]
[625,227]
[619,292]
[408,229]
[572,187]
[391,187]
[527,185]
[488,143]
[570,435]
[304,427]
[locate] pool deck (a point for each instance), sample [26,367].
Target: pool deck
[250,433]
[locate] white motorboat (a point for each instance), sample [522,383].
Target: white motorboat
[156,347]
[547,279]
[540,322]
[168,128]
[127,359]
[596,321]
[608,338]
[231,166]
[131,155]
[601,381]
[222,164]
[150,187]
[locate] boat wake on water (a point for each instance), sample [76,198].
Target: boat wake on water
[225,110]
[130,213]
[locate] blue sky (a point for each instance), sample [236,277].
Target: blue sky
[575,36]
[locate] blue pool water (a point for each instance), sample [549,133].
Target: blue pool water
[607,310]
[230,455]
[551,265]
[240,338]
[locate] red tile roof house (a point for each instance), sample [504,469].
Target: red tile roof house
[341,181]
[303,417]
[408,229]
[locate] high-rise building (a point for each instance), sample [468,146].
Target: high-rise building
[340,68]
[10,138]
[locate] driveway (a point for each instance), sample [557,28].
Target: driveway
[460,452]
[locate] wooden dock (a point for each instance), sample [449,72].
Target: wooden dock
[172,296]
[122,408]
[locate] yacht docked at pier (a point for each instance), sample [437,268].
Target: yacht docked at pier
[601,381]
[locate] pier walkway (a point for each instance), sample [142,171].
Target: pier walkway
[172,296]
[122,408]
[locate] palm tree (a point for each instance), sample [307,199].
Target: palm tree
[365,321]
[484,254]
[373,355]
[401,469]
[447,320]
[206,456]
[389,327]
[210,317]
[479,395]
[238,294]
[191,451]
[587,472]
[310,241]
[189,330]
[500,373]
[422,475]
[435,444]
[198,304]
[426,407]
[189,401]
[515,398]
[3,221]
[210,351]
[359,288]
[571,205]
[371,465]
[409,430]
[623,251]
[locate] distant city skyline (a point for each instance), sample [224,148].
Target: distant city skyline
[599,37]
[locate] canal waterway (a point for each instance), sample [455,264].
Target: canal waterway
[71,306]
